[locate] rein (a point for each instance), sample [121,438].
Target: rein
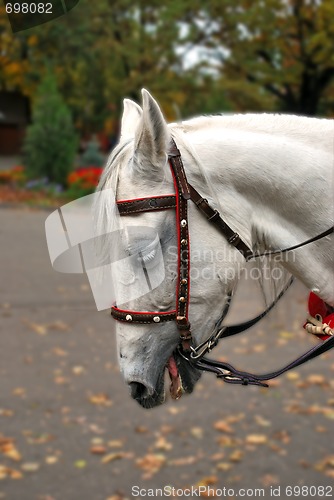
[195,355]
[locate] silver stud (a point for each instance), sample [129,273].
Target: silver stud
[183,222]
[182,299]
[156,319]
[128,317]
[183,242]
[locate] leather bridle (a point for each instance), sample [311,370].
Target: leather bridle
[184,191]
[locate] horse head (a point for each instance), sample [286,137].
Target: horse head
[138,168]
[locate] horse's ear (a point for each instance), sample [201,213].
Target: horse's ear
[131,117]
[151,139]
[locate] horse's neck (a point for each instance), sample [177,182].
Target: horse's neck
[275,189]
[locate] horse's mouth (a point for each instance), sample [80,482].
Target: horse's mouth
[183,378]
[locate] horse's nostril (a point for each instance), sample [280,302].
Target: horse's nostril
[138,390]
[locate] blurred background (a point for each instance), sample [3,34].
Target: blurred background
[68,428]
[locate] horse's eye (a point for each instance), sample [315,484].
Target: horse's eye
[144,251]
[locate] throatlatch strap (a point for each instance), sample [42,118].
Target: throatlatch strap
[214,217]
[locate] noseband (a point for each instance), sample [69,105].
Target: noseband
[184,191]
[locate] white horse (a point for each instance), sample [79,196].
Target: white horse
[270,176]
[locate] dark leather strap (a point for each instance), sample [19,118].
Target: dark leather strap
[174,156]
[244,378]
[294,247]
[163,202]
[142,317]
[214,217]
[183,285]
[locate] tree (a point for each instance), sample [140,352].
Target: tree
[51,143]
[280,52]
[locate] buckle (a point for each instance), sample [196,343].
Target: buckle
[234,239]
[215,215]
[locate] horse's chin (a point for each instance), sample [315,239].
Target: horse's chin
[184,378]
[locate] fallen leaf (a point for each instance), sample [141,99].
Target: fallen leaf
[256,439]
[151,462]
[236,456]
[35,327]
[174,411]
[19,391]
[100,399]
[111,457]
[59,325]
[286,335]
[51,459]
[141,429]
[223,426]
[226,441]
[59,352]
[269,479]
[162,444]
[115,443]
[282,436]
[196,432]
[7,472]
[217,456]
[80,464]
[224,466]
[184,460]
[98,450]
[259,348]
[78,370]
[30,467]
[262,421]
[207,481]
[118,497]
[4,412]
[61,380]
[316,379]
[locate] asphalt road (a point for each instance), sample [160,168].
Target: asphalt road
[69,430]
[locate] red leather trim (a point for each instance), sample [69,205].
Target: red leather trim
[156,313]
[146,198]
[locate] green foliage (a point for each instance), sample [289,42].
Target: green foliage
[51,143]
[92,156]
[194,57]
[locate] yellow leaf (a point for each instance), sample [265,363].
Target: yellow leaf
[256,439]
[196,432]
[115,443]
[236,456]
[224,466]
[163,444]
[151,462]
[111,457]
[100,399]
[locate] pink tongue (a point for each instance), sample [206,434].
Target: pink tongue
[175,386]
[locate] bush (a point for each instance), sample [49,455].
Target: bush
[92,155]
[14,176]
[83,181]
[51,142]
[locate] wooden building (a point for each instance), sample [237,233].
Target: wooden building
[14,117]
